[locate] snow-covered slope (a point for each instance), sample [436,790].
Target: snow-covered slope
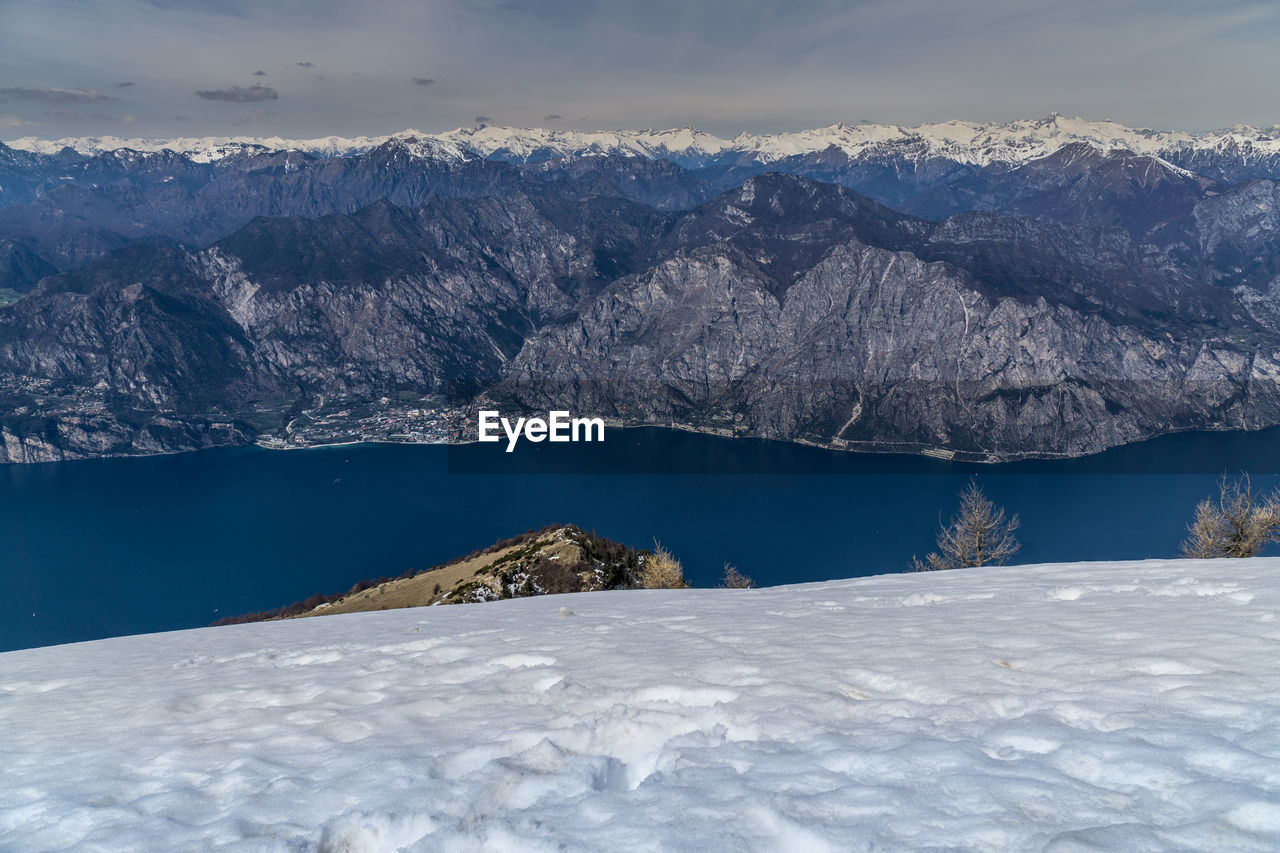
[1110,706]
[965,142]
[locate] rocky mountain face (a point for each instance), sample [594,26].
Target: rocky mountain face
[978,334]
[994,307]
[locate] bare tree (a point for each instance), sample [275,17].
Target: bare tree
[734,579]
[977,535]
[661,570]
[1240,524]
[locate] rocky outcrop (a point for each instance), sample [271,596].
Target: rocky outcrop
[554,560]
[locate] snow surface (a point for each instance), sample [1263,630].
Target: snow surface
[966,142]
[1106,706]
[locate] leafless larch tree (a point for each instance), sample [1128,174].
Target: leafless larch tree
[979,534]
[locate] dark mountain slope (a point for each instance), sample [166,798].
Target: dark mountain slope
[785,308]
[1078,184]
[112,200]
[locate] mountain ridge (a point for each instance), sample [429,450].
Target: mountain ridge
[905,298]
[972,143]
[786,308]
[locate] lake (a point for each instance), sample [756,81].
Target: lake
[99,548]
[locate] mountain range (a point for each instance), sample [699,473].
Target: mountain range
[1038,288]
[966,142]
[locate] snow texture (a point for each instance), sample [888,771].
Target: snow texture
[1071,707]
[965,142]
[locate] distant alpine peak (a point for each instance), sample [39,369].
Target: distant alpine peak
[531,143]
[975,143]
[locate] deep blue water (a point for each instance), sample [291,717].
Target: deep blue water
[118,546]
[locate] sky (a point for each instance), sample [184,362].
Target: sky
[306,68]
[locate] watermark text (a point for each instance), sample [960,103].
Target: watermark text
[558,426]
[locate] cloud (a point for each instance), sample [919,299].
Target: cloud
[552,117]
[126,84]
[7,120]
[259,73]
[54,95]
[306,65]
[239,94]
[483,119]
[423,81]
[116,117]
[61,115]
[180,118]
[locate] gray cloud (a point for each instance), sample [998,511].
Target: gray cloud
[126,84]
[482,119]
[552,117]
[112,117]
[239,94]
[61,115]
[306,65]
[259,73]
[7,120]
[55,95]
[423,81]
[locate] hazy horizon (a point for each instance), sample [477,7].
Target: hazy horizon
[240,133]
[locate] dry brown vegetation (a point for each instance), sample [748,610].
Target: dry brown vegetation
[734,579]
[661,570]
[1239,524]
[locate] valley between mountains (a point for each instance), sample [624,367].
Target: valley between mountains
[1033,289]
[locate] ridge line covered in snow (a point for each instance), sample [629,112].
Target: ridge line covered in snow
[968,142]
[1117,706]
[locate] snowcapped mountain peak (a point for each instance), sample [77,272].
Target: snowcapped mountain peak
[423,146]
[968,142]
[538,143]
